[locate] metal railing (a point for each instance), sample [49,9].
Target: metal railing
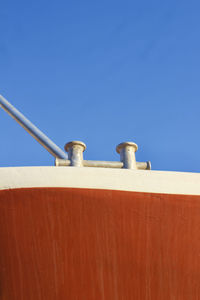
[48,144]
[103,164]
[126,150]
[75,149]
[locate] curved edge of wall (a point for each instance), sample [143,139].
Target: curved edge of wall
[101,178]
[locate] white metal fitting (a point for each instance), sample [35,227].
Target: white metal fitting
[127,154]
[75,151]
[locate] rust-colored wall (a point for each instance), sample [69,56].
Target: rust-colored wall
[80,244]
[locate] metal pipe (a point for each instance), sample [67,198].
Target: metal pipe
[48,144]
[127,154]
[59,162]
[75,151]
[143,165]
[90,163]
[102,164]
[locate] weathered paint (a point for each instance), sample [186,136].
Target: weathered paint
[86,244]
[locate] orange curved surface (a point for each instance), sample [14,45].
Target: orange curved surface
[81,244]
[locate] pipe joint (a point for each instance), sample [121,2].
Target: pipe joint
[75,151]
[127,154]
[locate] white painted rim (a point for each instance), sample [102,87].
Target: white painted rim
[101,178]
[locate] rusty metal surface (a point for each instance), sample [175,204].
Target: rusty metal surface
[84,244]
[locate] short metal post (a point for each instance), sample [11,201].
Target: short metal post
[127,154]
[75,151]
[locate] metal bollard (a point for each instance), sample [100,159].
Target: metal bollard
[127,154]
[75,151]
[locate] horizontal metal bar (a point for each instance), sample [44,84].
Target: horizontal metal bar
[90,163]
[62,162]
[37,134]
[103,164]
[143,165]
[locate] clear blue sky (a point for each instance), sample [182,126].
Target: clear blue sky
[102,72]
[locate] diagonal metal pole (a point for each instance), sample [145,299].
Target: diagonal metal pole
[48,144]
